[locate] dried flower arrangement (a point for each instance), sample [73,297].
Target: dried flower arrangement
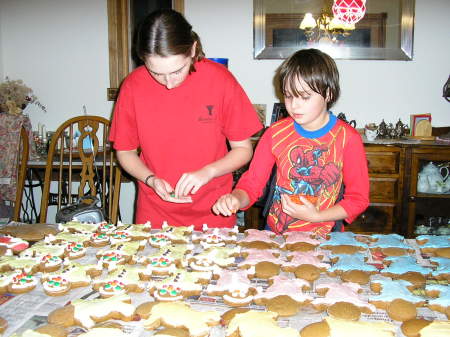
[15,96]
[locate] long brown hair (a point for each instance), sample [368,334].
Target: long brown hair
[165,33]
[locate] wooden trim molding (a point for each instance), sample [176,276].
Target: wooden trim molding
[118,39]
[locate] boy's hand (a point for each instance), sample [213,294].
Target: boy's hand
[190,182]
[305,212]
[226,205]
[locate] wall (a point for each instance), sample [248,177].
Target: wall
[60,49]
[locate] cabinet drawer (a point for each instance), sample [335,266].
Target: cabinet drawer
[383,162]
[383,189]
[378,218]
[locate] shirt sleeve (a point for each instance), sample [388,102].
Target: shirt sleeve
[240,120]
[255,178]
[123,131]
[356,178]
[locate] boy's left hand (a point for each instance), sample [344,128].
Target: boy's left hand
[305,212]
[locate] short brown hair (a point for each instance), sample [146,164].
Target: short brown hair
[314,67]
[166,32]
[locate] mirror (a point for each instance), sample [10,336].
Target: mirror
[385,32]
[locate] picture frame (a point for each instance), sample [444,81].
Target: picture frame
[279,111]
[415,119]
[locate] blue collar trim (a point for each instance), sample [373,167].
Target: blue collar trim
[317,133]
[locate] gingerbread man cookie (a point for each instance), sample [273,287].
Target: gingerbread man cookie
[220,256]
[266,261]
[122,280]
[390,290]
[258,239]
[343,243]
[299,241]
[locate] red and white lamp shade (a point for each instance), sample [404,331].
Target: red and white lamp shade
[349,11]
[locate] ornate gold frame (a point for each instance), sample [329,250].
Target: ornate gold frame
[118,33]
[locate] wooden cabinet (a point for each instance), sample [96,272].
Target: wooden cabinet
[386,165]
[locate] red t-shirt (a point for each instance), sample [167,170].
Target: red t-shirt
[181,130]
[315,163]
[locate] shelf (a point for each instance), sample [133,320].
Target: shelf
[433,195]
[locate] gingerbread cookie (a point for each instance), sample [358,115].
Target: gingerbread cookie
[23,263]
[390,290]
[64,237]
[29,232]
[345,263]
[56,285]
[441,297]
[334,292]
[179,285]
[344,310]
[119,254]
[259,239]
[389,244]
[442,271]
[234,286]
[3,325]
[12,244]
[106,228]
[103,332]
[220,256]
[50,263]
[339,327]
[177,234]
[122,280]
[216,237]
[430,244]
[76,274]
[257,323]
[165,261]
[42,248]
[78,227]
[305,265]
[399,265]
[22,282]
[284,295]
[181,315]
[343,243]
[88,312]
[299,241]
[266,261]
[401,310]
[99,239]
[424,328]
[75,250]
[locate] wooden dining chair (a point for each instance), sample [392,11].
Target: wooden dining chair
[81,163]
[22,158]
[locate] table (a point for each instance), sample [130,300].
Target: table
[16,309]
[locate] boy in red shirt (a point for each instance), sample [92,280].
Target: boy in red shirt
[315,154]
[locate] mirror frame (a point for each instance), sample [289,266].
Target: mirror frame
[118,41]
[403,52]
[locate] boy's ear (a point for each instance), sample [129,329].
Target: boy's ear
[327,98]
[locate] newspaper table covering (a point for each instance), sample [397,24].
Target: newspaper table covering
[30,310]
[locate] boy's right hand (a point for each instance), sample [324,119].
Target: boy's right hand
[226,205]
[166,192]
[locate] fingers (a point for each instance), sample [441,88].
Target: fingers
[226,205]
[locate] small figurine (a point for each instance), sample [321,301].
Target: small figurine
[382,129]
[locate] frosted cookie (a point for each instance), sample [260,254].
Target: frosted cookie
[306,265]
[390,290]
[136,232]
[165,261]
[123,280]
[401,310]
[179,285]
[82,238]
[334,292]
[399,265]
[119,254]
[389,244]
[417,280]
[56,285]
[234,286]
[266,261]
[257,323]
[89,312]
[159,240]
[78,227]
[345,262]
[177,234]
[180,315]
[42,248]
[99,239]
[220,256]
[75,250]
[215,237]
[22,282]
[440,295]
[442,265]
[430,244]
[424,328]
[299,241]
[339,327]
[258,239]
[106,228]
[284,296]
[15,245]
[23,263]
[103,332]
[120,236]
[77,274]
[343,243]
